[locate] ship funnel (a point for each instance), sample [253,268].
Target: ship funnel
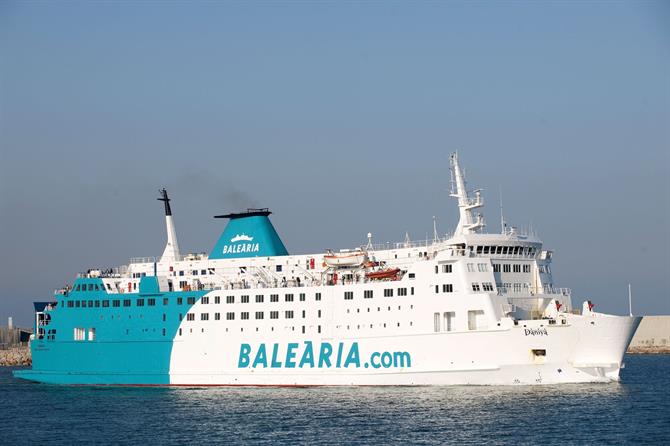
[248,234]
[171,252]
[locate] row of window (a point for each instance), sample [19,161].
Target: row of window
[448,268]
[260,298]
[90,287]
[388,292]
[202,330]
[245,315]
[486,286]
[509,268]
[512,250]
[115,303]
[516,287]
[446,288]
[481,267]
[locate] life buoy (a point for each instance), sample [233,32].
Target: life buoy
[130,287]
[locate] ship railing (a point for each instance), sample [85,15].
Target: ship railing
[151,259]
[95,273]
[508,256]
[539,301]
[534,291]
[402,245]
[474,201]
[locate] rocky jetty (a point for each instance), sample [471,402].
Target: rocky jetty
[649,350]
[16,356]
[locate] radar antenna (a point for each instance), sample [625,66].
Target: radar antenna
[164,198]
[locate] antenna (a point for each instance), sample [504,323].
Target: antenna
[630,301]
[502,219]
[435,237]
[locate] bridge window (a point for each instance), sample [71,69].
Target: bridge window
[447,268]
[496,267]
[230,299]
[447,288]
[388,292]
[105,303]
[140,302]
[402,291]
[204,300]
[471,267]
[244,299]
[190,316]
[217,316]
[116,303]
[436,322]
[476,287]
[367,294]
[151,302]
[230,316]
[259,298]
[302,297]
[190,300]
[507,268]
[126,302]
[288,314]
[244,315]
[274,297]
[259,315]
[487,286]
[317,296]
[204,316]
[348,295]
[516,268]
[526,268]
[217,299]
[288,297]
[274,314]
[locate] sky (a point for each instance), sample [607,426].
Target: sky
[339,117]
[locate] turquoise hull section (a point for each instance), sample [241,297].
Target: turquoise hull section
[132,344]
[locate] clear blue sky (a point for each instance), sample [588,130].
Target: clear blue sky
[339,117]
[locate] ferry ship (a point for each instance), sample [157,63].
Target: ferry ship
[470,308]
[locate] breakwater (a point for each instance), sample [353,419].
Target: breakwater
[15,356]
[652,336]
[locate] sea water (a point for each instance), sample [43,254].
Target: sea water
[636,410]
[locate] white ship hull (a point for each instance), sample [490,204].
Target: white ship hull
[576,352]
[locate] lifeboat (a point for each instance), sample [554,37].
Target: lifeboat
[345,259]
[383,274]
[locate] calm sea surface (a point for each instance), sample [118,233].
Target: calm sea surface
[637,410]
